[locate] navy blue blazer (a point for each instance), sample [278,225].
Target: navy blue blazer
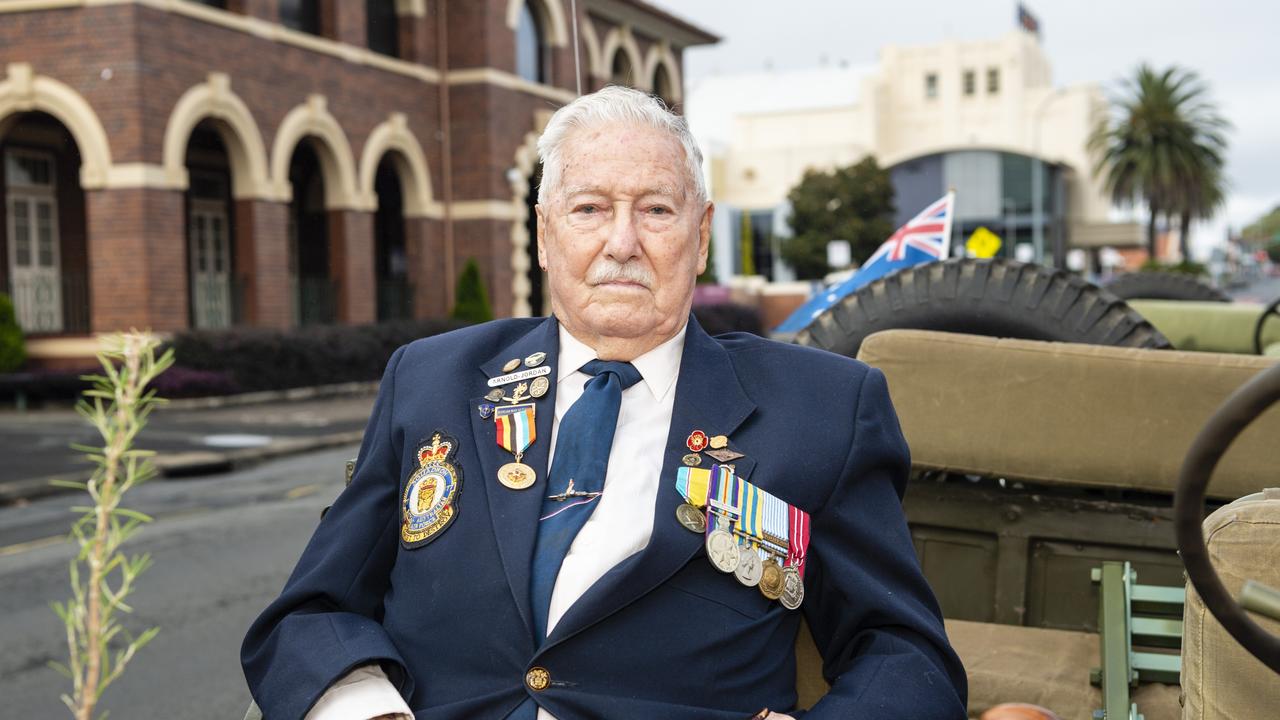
[663,634]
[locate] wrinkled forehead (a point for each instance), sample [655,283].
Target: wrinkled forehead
[624,158]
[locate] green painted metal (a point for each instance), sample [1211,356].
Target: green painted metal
[1113,624]
[1156,632]
[1259,598]
[1157,667]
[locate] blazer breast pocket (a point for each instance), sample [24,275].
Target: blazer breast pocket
[707,585]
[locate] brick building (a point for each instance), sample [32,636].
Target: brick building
[172,164]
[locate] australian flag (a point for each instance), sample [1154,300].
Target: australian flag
[925,238]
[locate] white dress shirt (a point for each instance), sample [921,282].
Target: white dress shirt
[619,527]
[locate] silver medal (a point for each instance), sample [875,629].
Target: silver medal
[722,550]
[750,568]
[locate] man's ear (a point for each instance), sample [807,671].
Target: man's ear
[704,236]
[542,235]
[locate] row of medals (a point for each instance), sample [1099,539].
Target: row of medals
[774,580]
[516,475]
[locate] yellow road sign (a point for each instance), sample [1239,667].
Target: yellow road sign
[983,243]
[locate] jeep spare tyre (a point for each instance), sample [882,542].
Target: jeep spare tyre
[1150,285]
[996,298]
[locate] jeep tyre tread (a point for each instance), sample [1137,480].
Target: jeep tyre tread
[997,298]
[1150,285]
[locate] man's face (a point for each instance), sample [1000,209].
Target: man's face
[624,236]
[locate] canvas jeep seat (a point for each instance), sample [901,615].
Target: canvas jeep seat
[1221,681]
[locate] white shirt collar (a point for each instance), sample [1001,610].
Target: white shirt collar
[658,367]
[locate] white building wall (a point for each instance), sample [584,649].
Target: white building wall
[894,120]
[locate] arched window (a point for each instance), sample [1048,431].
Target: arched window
[301,15]
[530,50]
[622,72]
[662,86]
[382,27]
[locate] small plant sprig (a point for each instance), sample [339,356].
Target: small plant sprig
[102,576]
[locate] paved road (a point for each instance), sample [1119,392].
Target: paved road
[222,546]
[35,444]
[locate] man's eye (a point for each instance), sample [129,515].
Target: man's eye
[659,210]
[586,209]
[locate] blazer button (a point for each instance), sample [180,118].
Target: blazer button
[538,679]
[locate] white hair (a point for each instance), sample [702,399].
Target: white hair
[615,105]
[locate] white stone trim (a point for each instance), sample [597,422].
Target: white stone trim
[313,118]
[214,100]
[511,81]
[140,175]
[524,163]
[552,15]
[24,91]
[595,63]
[621,39]
[483,210]
[393,136]
[411,8]
[660,54]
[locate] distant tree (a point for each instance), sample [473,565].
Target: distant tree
[1265,229]
[853,203]
[747,245]
[12,351]
[1163,144]
[471,302]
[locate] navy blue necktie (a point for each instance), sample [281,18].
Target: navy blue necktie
[577,476]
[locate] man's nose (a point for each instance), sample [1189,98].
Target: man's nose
[624,240]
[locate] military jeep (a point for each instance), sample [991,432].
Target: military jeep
[1044,470]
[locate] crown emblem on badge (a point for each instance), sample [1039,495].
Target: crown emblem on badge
[437,451]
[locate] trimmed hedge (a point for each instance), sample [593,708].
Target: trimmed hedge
[259,359]
[13,352]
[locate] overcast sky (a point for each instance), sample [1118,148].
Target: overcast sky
[1234,45]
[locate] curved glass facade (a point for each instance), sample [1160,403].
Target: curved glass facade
[993,190]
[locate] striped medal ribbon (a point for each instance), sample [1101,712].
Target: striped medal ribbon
[692,484]
[516,430]
[798,541]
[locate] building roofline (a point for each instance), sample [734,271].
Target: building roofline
[692,34]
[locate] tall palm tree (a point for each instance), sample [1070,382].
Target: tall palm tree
[1163,144]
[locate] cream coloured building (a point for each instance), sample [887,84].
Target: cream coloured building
[965,114]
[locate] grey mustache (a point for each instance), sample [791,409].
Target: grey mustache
[605,272]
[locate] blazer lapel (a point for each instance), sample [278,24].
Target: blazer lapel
[709,397]
[515,512]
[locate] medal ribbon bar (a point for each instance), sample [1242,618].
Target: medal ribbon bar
[516,429]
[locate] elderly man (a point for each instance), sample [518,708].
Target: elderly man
[607,513]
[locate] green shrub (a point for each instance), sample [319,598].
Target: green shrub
[1186,267]
[262,359]
[12,351]
[471,303]
[1273,251]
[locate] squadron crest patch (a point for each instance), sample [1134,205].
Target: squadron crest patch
[430,501]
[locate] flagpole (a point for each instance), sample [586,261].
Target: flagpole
[951,213]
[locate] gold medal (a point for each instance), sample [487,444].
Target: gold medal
[539,387]
[718,441]
[516,475]
[691,518]
[692,459]
[511,365]
[792,588]
[771,580]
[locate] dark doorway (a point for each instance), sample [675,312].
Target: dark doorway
[537,289]
[395,294]
[214,290]
[314,290]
